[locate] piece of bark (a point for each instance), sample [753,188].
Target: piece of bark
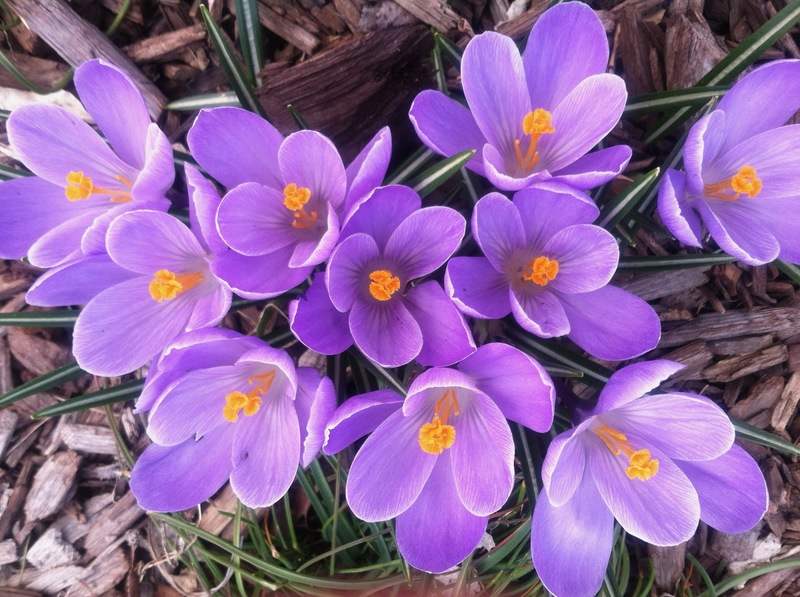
[696,356]
[658,285]
[158,46]
[794,357]
[51,581]
[50,550]
[740,366]
[134,13]
[44,73]
[89,439]
[77,41]
[17,499]
[8,423]
[110,524]
[217,515]
[667,564]
[520,26]
[51,486]
[12,284]
[741,345]
[36,354]
[635,45]
[8,552]
[691,49]
[437,14]
[735,548]
[765,584]
[764,393]
[101,576]
[350,11]
[784,410]
[733,324]
[286,29]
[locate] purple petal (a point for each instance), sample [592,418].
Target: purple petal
[519,385]
[317,250]
[317,323]
[587,258]
[264,276]
[204,201]
[236,146]
[309,159]
[429,386]
[315,403]
[703,143]
[368,169]
[382,212]
[780,217]
[732,490]
[386,333]
[437,532]
[359,416]
[476,288]
[496,170]
[549,207]
[158,173]
[738,233]
[446,337]
[596,168]
[611,324]
[347,274]
[211,306]
[634,381]
[93,239]
[566,45]
[678,216]
[540,313]
[63,242]
[175,478]
[562,469]
[446,126]
[497,228]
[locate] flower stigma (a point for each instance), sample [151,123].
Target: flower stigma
[641,465]
[295,199]
[744,182]
[383,284]
[167,285]
[80,187]
[541,271]
[435,437]
[249,402]
[535,124]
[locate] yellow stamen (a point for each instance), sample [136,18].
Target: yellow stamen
[437,436]
[167,285]
[744,182]
[641,465]
[383,284]
[80,186]
[541,271]
[295,199]
[250,402]
[534,124]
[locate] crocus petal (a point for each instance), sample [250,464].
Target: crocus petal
[204,202]
[346,275]
[317,323]
[369,167]
[582,119]
[517,383]
[158,172]
[77,282]
[425,240]
[634,381]
[587,258]
[263,356]
[663,510]
[315,403]
[387,332]
[317,250]
[390,470]
[567,44]
[565,462]
[611,323]
[763,99]
[678,216]
[309,159]
[359,416]
[437,532]
[482,456]
[548,207]
[266,453]
[446,337]
[596,168]
[175,478]
[121,328]
[63,242]
[429,386]
[211,306]
[476,288]
[263,276]
[497,229]
[540,313]
[236,146]
[93,239]
[780,216]
[382,212]
[738,233]
[446,126]
[571,544]
[117,107]
[496,170]
[703,143]
[252,220]
[493,79]
[732,490]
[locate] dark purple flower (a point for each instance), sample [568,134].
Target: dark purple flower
[657,464]
[367,295]
[81,183]
[547,265]
[228,406]
[287,197]
[533,117]
[442,461]
[742,171]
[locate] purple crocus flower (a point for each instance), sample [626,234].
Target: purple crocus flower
[227,406]
[81,183]
[287,197]
[442,461]
[742,171]
[533,117]
[547,265]
[367,295]
[657,464]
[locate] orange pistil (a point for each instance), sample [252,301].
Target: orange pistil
[80,187]
[535,124]
[541,271]
[383,284]
[249,402]
[744,182]
[437,436]
[641,465]
[295,199]
[167,285]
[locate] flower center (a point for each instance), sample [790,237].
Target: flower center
[294,199]
[640,464]
[167,285]
[249,402]
[435,437]
[744,182]
[383,284]
[535,124]
[80,187]
[541,271]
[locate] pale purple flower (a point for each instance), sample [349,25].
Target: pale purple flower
[369,295]
[287,197]
[226,406]
[658,464]
[533,117]
[742,171]
[81,183]
[442,460]
[548,266]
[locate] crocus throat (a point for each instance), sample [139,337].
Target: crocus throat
[541,271]
[534,125]
[744,182]
[80,187]
[295,199]
[383,284]
[435,437]
[167,285]
[640,464]
[248,403]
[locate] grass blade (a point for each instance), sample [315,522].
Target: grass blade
[674,261]
[417,159]
[53,379]
[438,174]
[764,438]
[204,100]
[616,209]
[250,35]
[57,318]
[120,393]
[790,271]
[663,101]
[734,581]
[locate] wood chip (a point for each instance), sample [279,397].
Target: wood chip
[435,13]
[8,423]
[53,580]
[764,393]
[787,406]
[695,355]
[286,29]
[51,550]
[51,486]
[38,355]
[733,324]
[741,345]
[110,524]
[668,563]
[101,576]
[740,366]
[8,552]
[658,285]
[89,439]
[158,46]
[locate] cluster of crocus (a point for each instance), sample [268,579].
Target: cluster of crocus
[226,407]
